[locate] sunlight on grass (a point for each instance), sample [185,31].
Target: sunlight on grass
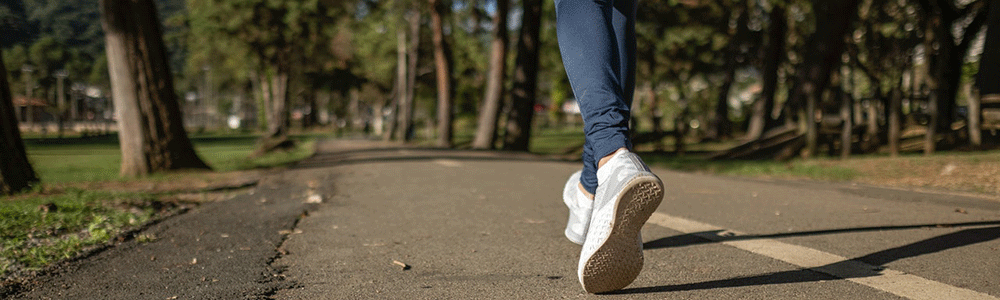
[98,159]
[797,169]
[39,230]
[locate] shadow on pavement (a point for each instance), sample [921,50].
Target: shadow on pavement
[932,245]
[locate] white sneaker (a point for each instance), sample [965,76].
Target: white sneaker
[580,207]
[627,194]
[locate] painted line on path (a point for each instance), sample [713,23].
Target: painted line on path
[898,283]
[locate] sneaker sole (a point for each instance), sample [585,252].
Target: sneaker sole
[618,261]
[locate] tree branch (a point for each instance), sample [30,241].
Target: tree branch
[971,7]
[974,27]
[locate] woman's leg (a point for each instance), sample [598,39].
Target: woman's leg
[596,40]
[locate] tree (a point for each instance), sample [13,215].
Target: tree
[276,38]
[151,130]
[761,120]
[486,129]
[989,63]
[948,54]
[523,95]
[443,68]
[834,20]
[12,23]
[399,100]
[407,106]
[721,126]
[16,173]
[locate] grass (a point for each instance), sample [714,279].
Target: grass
[977,172]
[98,158]
[817,169]
[41,227]
[39,230]
[557,141]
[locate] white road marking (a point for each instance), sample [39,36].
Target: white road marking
[898,283]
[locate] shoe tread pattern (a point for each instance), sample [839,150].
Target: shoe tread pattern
[618,261]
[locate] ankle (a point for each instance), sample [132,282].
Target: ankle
[607,158]
[585,192]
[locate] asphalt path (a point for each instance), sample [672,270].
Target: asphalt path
[407,223]
[473,225]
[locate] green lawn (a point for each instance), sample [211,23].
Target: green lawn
[98,158]
[817,169]
[37,231]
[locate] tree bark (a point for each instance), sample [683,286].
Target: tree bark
[975,125]
[16,173]
[823,53]
[277,104]
[312,120]
[930,138]
[721,126]
[761,121]
[486,129]
[895,120]
[989,63]
[847,129]
[400,89]
[525,79]
[354,110]
[151,129]
[947,62]
[442,68]
[407,106]
[989,71]
[812,136]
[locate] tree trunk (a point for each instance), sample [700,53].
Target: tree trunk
[930,140]
[989,62]
[834,20]
[277,104]
[525,79]
[721,126]
[895,120]
[151,129]
[407,106]
[400,89]
[312,120]
[947,62]
[989,71]
[761,121]
[847,129]
[378,119]
[486,129]
[947,78]
[975,123]
[16,173]
[354,110]
[389,126]
[264,102]
[61,101]
[442,67]
[812,136]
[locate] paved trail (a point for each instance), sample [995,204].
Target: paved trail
[488,225]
